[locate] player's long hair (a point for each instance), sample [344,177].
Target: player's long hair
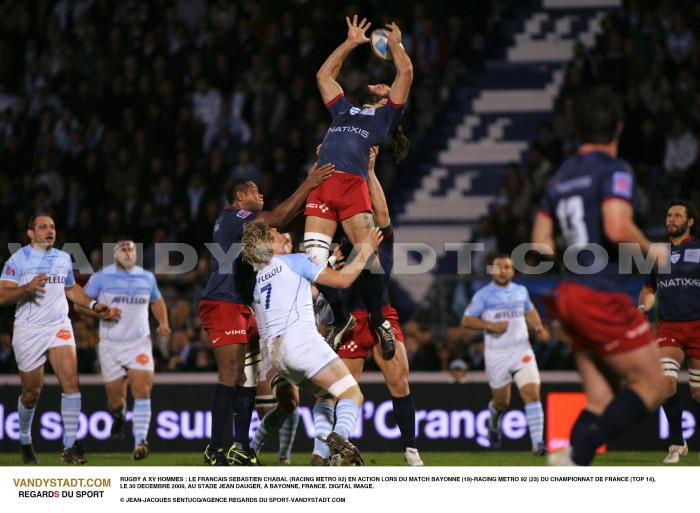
[257,244]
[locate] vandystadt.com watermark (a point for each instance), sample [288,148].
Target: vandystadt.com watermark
[410,258]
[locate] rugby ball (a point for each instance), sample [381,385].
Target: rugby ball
[379,42]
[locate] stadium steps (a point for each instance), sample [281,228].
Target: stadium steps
[489,121]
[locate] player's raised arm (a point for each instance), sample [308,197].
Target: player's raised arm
[328,72]
[380,209]
[280,216]
[404,67]
[343,278]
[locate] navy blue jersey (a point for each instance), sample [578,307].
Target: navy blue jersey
[574,197]
[354,131]
[228,230]
[386,258]
[678,292]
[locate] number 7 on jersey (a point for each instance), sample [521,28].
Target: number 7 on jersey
[268,291]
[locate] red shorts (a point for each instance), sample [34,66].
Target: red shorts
[363,338]
[684,335]
[602,322]
[227,323]
[339,197]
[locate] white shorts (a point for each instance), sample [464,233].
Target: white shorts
[31,343]
[297,355]
[116,357]
[503,363]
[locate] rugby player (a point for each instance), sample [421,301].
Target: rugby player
[345,196]
[125,348]
[504,310]
[355,349]
[39,278]
[291,345]
[678,335]
[277,402]
[589,199]
[229,321]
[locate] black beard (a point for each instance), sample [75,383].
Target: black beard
[365,97]
[678,231]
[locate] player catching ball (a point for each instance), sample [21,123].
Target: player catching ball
[344,198]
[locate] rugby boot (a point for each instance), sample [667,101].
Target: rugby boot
[27,454]
[215,457]
[74,455]
[241,457]
[387,340]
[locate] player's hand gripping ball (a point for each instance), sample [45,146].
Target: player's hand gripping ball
[379,42]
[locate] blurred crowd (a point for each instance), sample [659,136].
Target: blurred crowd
[648,53]
[132,118]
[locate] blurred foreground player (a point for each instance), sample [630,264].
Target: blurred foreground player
[678,335]
[589,200]
[355,349]
[39,278]
[344,198]
[291,345]
[504,310]
[229,321]
[125,349]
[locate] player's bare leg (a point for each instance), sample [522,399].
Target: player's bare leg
[672,359]
[32,383]
[65,364]
[356,228]
[286,401]
[500,400]
[530,394]
[395,373]
[639,369]
[337,380]
[141,382]
[116,403]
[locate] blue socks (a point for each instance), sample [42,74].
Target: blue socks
[70,414]
[26,416]
[141,420]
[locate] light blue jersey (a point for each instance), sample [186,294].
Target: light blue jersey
[282,297]
[130,291]
[510,303]
[52,307]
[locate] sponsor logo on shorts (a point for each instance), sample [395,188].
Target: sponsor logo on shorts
[318,206]
[64,334]
[235,332]
[527,358]
[9,271]
[142,359]
[350,346]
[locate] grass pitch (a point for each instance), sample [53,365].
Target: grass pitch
[449,459]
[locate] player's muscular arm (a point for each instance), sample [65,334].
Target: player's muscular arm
[77,296]
[283,214]
[619,227]
[380,209]
[328,72]
[534,322]
[342,279]
[647,298]
[542,231]
[474,323]
[404,67]
[160,312]
[11,292]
